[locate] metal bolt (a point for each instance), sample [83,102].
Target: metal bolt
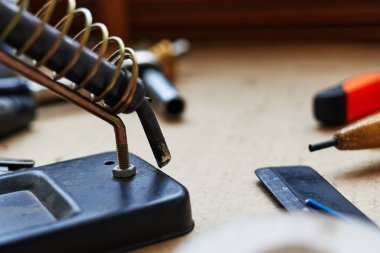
[124,168]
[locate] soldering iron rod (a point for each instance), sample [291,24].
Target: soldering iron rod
[98,83]
[67,49]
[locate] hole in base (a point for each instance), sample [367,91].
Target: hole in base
[109,163]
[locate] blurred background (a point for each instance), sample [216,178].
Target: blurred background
[248,82]
[222,21]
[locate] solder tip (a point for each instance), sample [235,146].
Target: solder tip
[322,145]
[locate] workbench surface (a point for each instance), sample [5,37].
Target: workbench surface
[248,106]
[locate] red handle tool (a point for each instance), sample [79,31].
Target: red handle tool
[353,99]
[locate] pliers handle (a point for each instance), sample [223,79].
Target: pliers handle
[17,106]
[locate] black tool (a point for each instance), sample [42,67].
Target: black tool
[8,165]
[351,100]
[19,99]
[165,97]
[292,186]
[17,106]
[156,70]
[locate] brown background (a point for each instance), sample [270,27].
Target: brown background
[235,20]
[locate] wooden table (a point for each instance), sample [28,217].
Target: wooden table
[249,106]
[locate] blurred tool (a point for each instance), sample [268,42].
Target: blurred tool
[8,165]
[292,186]
[363,134]
[353,99]
[156,68]
[19,98]
[17,106]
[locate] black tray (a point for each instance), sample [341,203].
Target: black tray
[77,206]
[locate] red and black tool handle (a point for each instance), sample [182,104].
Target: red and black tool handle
[351,100]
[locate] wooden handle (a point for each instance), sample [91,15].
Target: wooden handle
[362,134]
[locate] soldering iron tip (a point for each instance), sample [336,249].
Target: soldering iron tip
[322,145]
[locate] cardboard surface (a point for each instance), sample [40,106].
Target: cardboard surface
[248,106]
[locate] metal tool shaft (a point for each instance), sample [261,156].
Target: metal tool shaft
[154,134]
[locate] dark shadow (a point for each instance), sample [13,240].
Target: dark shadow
[15,134]
[366,172]
[173,121]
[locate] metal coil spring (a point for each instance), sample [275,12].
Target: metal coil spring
[117,58]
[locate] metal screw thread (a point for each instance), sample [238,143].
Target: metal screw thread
[123,155]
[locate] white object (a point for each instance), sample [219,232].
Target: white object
[286,233]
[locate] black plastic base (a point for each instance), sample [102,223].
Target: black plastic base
[78,206]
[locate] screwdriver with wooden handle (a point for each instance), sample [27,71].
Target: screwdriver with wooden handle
[363,134]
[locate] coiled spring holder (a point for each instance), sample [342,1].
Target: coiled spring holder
[100,85]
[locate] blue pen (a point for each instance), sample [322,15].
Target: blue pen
[325,209]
